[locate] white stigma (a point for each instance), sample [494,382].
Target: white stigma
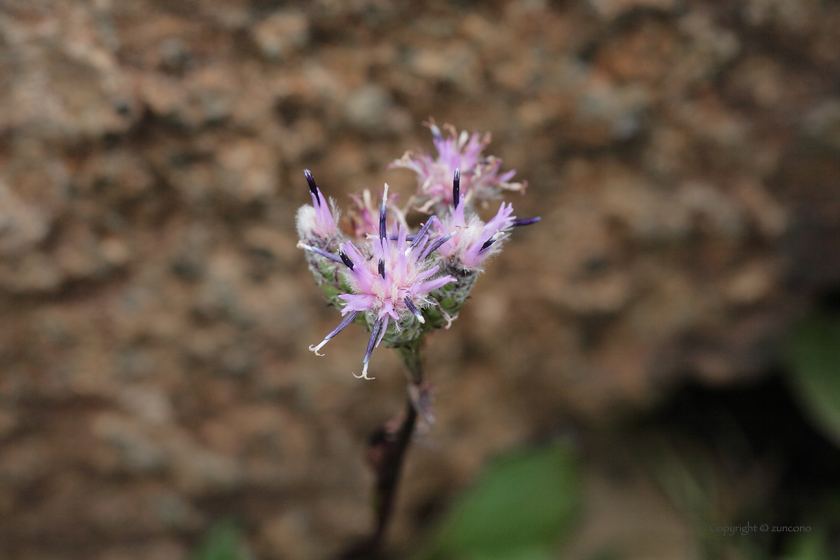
[364,373]
[313,348]
[446,317]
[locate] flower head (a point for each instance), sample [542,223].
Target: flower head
[480,177]
[316,224]
[473,240]
[390,280]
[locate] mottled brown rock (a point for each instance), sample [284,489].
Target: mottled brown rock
[156,313]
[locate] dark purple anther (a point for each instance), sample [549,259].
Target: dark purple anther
[382,268]
[312,187]
[422,233]
[383,229]
[456,188]
[374,335]
[526,221]
[345,259]
[488,243]
[435,246]
[349,318]
[414,310]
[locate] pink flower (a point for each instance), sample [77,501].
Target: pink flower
[390,278]
[480,178]
[473,240]
[316,222]
[468,240]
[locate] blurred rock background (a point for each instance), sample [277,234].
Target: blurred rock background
[156,313]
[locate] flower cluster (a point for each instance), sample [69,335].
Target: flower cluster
[398,283]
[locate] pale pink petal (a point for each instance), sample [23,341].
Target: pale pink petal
[357,302]
[432,285]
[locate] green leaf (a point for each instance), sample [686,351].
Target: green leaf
[808,546]
[815,353]
[520,509]
[222,542]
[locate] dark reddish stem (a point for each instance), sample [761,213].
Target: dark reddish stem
[388,471]
[386,454]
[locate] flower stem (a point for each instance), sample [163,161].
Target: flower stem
[410,355]
[386,454]
[388,477]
